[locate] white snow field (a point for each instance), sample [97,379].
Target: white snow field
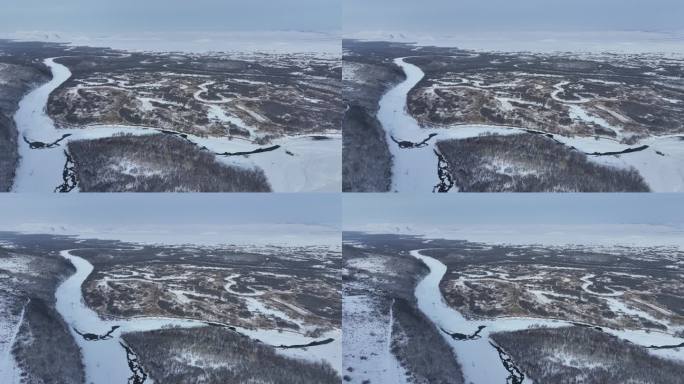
[313,165]
[584,235]
[415,169]
[667,43]
[246,235]
[369,334]
[325,44]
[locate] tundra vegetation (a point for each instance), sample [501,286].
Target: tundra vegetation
[614,287]
[276,95]
[219,284]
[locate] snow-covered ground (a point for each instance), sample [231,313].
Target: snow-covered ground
[105,360]
[602,235]
[368,334]
[415,169]
[311,165]
[279,42]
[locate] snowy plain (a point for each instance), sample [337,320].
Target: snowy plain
[600,235]
[285,234]
[265,41]
[369,334]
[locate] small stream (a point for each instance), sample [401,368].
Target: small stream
[595,153]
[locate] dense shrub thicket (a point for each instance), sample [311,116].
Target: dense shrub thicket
[530,163]
[211,355]
[366,160]
[157,163]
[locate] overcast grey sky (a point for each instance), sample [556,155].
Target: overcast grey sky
[445,16]
[503,209]
[139,209]
[100,16]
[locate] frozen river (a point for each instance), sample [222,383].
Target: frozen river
[106,358]
[301,163]
[414,167]
[481,361]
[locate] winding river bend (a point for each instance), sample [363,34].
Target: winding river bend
[291,163]
[482,361]
[415,167]
[107,359]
